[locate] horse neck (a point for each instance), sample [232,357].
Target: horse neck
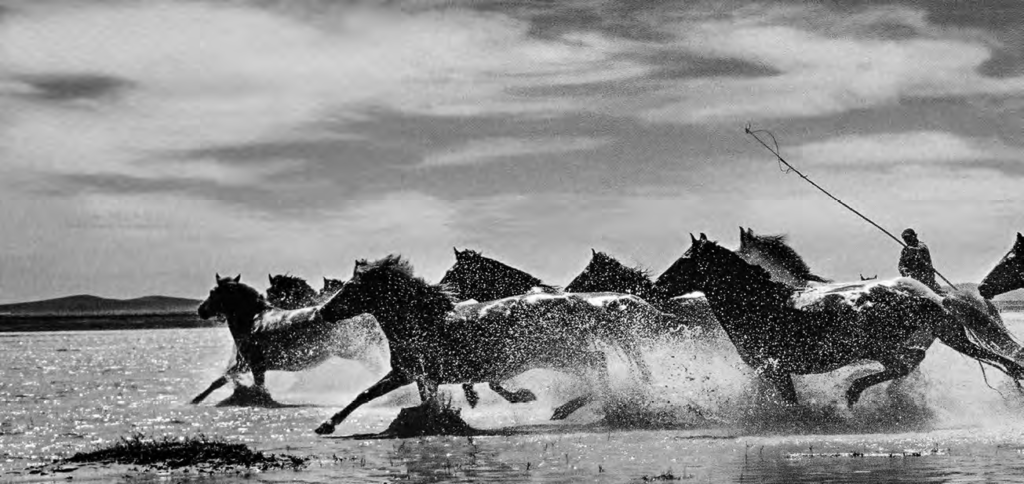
[638,285]
[501,283]
[241,320]
[739,288]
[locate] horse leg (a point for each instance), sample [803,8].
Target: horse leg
[389,383]
[231,372]
[427,389]
[223,380]
[520,396]
[896,365]
[597,360]
[782,382]
[632,351]
[472,397]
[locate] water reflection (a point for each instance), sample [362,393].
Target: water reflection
[67,392]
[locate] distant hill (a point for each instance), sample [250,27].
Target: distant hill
[85,305]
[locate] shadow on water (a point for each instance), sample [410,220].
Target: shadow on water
[251,396]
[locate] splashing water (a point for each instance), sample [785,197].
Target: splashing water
[703,413]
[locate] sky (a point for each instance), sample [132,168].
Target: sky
[147,145]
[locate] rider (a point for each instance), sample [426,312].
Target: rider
[916,260]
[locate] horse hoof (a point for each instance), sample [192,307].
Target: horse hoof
[325,428]
[524,396]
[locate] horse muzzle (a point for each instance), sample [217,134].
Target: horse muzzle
[988,291]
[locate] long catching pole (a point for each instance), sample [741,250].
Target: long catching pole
[789,167]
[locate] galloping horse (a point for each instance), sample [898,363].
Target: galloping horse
[434,342]
[779,330]
[783,264]
[269,338]
[1008,274]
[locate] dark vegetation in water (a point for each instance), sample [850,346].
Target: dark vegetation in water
[191,451]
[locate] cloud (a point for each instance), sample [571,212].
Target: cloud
[494,149]
[132,245]
[119,83]
[823,64]
[901,148]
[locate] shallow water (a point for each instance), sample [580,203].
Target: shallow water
[703,419]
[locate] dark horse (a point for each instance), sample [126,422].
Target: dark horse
[476,278]
[434,342]
[779,330]
[270,338]
[1008,274]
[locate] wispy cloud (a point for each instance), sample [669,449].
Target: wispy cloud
[903,148]
[495,149]
[118,83]
[824,63]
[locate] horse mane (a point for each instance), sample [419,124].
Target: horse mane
[638,272]
[775,247]
[433,301]
[760,274]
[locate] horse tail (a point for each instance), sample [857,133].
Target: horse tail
[982,321]
[980,336]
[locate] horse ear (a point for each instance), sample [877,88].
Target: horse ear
[237,278]
[1020,238]
[593,251]
[703,238]
[270,278]
[216,277]
[456,252]
[693,240]
[743,234]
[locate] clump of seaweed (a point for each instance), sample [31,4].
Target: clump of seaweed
[197,450]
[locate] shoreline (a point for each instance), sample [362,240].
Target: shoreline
[102,322]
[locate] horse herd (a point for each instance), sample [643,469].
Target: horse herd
[486,322]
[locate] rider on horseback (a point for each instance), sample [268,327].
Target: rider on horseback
[916,260]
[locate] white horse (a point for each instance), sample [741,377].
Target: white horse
[267,338]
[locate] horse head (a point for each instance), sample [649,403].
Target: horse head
[477,277]
[683,277]
[290,292]
[1007,275]
[605,273]
[228,297]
